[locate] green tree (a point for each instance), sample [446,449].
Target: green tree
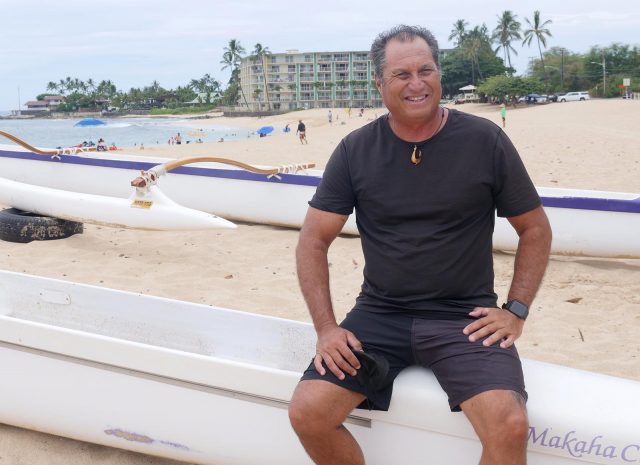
[260,54]
[507,30]
[457,72]
[475,44]
[458,32]
[502,88]
[106,89]
[53,87]
[205,85]
[91,86]
[539,30]
[231,58]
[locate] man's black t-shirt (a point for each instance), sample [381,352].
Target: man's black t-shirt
[426,230]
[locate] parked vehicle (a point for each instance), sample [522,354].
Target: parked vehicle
[552,98]
[533,98]
[574,97]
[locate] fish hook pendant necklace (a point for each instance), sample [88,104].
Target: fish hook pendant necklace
[416,155]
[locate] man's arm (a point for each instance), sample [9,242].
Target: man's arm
[530,264]
[334,344]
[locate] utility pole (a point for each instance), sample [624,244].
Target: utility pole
[562,70]
[604,75]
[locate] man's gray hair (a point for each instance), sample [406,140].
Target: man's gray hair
[403,33]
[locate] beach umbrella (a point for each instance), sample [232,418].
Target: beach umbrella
[265,130]
[89,122]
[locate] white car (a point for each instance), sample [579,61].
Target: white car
[574,97]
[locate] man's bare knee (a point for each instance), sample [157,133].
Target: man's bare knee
[318,406]
[515,426]
[497,416]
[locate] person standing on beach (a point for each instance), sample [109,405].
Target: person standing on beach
[302,132]
[503,114]
[178,139]
[425,182]
[330,116]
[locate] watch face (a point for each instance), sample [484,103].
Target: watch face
[517,308]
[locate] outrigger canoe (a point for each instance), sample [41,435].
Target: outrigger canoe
[584,222]
[210,385]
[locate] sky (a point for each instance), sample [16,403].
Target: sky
[133,42]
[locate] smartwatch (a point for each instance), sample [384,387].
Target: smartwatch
[517,308]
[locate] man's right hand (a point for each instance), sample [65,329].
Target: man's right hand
[335,348]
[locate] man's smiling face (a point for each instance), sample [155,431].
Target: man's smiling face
[410,85]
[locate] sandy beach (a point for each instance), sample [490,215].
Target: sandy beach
[586,315]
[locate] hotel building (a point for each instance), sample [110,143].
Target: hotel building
[297,80]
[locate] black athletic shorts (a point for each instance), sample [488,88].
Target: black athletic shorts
[462,368]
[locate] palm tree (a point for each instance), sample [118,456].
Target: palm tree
[458,32]
[473,43]
[91,85]
[234,51]
[260,53]
[538,30]
[52,86]
[256,94]
[62,86]
[106,89]
[231,58]
[508,29]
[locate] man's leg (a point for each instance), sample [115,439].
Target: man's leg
[317,411]
[499,418]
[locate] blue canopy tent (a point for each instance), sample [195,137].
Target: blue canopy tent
[90,122]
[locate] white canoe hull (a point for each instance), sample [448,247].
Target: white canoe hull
[211,386]
[584,222]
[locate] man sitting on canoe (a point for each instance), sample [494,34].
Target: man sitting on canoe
[425,182]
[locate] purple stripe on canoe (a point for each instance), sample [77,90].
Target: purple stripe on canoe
[302,180]
[593,203]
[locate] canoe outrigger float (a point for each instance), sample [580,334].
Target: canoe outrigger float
[148,210]
[210,385]
[584,222]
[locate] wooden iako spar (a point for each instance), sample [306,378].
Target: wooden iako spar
[26,145]
[151,176]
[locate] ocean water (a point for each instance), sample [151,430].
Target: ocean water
[123,132]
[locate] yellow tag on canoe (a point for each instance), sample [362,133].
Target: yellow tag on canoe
[142,204]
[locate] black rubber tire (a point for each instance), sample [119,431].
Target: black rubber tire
[20,226]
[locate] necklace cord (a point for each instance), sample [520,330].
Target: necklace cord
[416,155]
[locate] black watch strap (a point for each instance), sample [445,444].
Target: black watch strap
[517,308]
